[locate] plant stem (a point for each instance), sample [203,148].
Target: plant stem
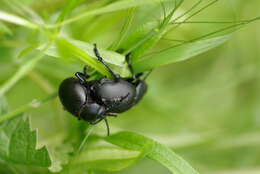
[24,108]
[83,143]
[22,71]
[81,146]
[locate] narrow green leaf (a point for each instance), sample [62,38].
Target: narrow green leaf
[147,30]
[4,16]
[125,29]
[153,149]
[176,54]
[70,49]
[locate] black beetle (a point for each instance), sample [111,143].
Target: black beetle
[94,100]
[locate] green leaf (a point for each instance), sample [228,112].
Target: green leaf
[4,16]
[176,54]
[70,49]
[153,150]
[105,158]
[116,6]
[18,142]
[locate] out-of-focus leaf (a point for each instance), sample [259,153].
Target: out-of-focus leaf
[18,142]
[4,16]
[22,9]
[116,6]
[23,70]
[177,54]
[153,150]
[70,49]
[105,158]
[26,50]
[4,29]
[69,6]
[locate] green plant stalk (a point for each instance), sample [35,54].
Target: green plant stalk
[24,108]
[193,14]
[7,17]
[237,24]
[83,143]
[21,72]
[81,147]
[214,22]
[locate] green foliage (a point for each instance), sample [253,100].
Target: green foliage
[54,39]
[178,53]
[70,49]
[18,143]
[16,20]
[105,158]
[153,150]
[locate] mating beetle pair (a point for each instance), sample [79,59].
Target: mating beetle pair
[94,100]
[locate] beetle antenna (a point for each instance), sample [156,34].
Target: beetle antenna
[108,130]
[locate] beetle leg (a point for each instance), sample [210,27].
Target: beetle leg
[85,72]
[107,125]
[81,77]
[116,76]
[111,114]
[97,121]
[129,64]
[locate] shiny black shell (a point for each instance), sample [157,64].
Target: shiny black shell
[91,111]
[119,93]
[141,88]
[72,95]
[76,98]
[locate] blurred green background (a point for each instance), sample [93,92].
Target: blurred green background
[207,109]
